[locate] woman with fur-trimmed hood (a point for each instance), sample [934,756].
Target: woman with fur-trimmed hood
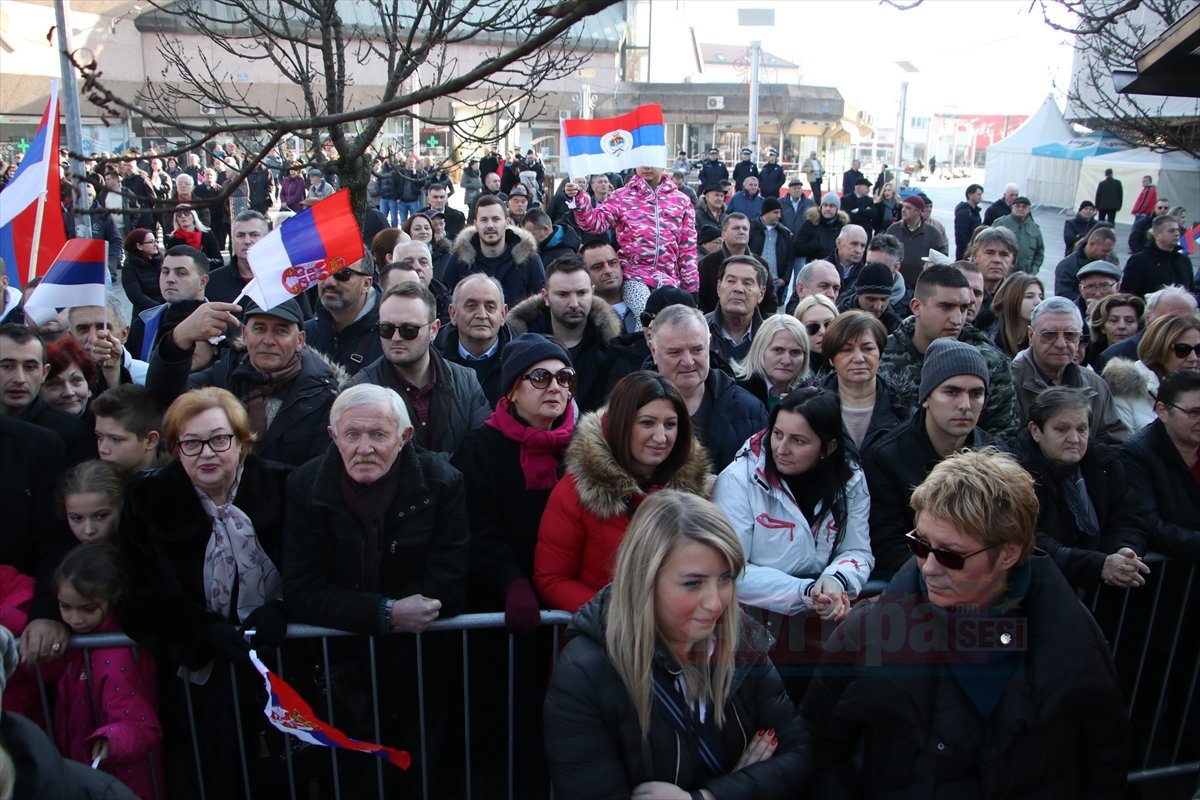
[817,235]
[642,441]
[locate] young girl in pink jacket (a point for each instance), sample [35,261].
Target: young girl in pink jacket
[106,704]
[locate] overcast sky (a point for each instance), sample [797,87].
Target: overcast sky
[973,56]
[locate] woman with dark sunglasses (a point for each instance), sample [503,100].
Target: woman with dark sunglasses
[1169,344]
[642,441]
[978,673]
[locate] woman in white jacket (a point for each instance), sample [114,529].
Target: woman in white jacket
[800,507]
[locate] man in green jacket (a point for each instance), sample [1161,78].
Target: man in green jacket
[1031,249]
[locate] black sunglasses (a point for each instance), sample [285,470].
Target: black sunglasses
[408,331]
[1183,349]
[814,327]
[344,274]
[950,560]
[540,378]
[646,318]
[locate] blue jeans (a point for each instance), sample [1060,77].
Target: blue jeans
[391,209]
[407,209]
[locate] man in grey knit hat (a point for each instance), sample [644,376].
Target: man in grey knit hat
[954,386]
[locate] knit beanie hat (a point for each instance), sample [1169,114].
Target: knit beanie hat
[831,198]
[915,201]
[523,352]
[946,358]
[770,204]
[875,279]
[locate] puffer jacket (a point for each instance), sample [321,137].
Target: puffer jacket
[817,236]
[895,404]
[656,232]
[594,744]
[1134,387]
[784,554]
[519,268]
[588,512]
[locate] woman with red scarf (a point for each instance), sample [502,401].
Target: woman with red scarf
[189,231]
[510,465]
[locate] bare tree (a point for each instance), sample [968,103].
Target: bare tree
[1108,34]
[412,49]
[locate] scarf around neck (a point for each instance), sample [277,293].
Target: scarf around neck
[541,451]
[191,238]
[265,385]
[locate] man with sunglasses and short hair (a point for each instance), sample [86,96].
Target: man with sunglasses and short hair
[445,401]
[286,387]
[347,316]
[954,384]
[977,673]
[569,310]
[1055,329]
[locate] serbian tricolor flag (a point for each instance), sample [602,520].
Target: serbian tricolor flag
[288,712]
[31,222]
[636,139]
[303,251]
[78,277]
[1191,240]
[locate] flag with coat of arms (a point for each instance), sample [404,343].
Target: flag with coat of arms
[612,144]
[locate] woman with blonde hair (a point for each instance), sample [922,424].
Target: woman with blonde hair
[777,361]
[190,231]
[815,312]
[1013,305]
[1170,344]
[887,207]
[664,688]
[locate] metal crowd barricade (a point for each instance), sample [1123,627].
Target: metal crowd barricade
[1154,634]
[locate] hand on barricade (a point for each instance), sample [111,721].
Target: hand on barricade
[269,624]
[43,640]
[227,641]
[415,613]
[521,611]
[1124,570]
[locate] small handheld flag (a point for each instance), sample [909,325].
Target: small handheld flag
[1191,240]
[78,277]
[303,251]
[288,712]
[613,144]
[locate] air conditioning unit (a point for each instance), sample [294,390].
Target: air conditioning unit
[564,113]
[716,103]
[208,111]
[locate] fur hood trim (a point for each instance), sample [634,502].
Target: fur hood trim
[604,487]
[1131,379]
[340,375]
[520,241]
[600,316]
[813,215]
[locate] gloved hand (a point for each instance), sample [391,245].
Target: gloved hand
[227,641]
[269,624]
[521,611]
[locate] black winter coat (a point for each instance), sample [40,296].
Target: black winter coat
[456,408]
[298,431]
[455,220]
[353,347]
[139,279]
[860,210]
[771,179]
[488,371]
[519,269]
[1109,195]
[999,208]
[594,743]
[966,220]
[164,533]
[818,236]
[424,543]
[1166,494]
[898,462]
[1153,268]
[78,438]
[741,171]
[1079,557]
[895,400]
[1075,229]
[783,249]
[1060,730]
[208,246]
[504,515]
[728,416]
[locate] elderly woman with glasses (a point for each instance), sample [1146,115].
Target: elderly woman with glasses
[979,674]
[139,276]
[642,441]
[203,536]
[1168,345]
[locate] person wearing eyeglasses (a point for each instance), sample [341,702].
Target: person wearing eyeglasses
[344,328]
[1055,331]
[978,673]
[1096,245]
[1169,344]
[189,230]
[510,465]
[378,543]
[203,540]
[642,441]
[1161,263]
[143,262]
[815,312]
[568,310]
[444,400]
[1163,462]
[286,387]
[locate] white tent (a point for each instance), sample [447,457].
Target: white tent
[1011,159]
[1177,176]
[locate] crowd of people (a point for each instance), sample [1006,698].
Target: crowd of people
[698,422]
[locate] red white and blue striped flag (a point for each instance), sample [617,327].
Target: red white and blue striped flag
[78,277]
[288,712]
[26,246]
[303,251]
[636,139]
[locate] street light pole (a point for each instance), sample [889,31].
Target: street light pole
[70,106]
[755,57]
[900,123]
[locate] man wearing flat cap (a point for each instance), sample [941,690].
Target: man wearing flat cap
[744,169]
[286,388]
[859,205]
[710,211]
[1031,248]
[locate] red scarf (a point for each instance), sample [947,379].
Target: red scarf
[189,237]
[540,450]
